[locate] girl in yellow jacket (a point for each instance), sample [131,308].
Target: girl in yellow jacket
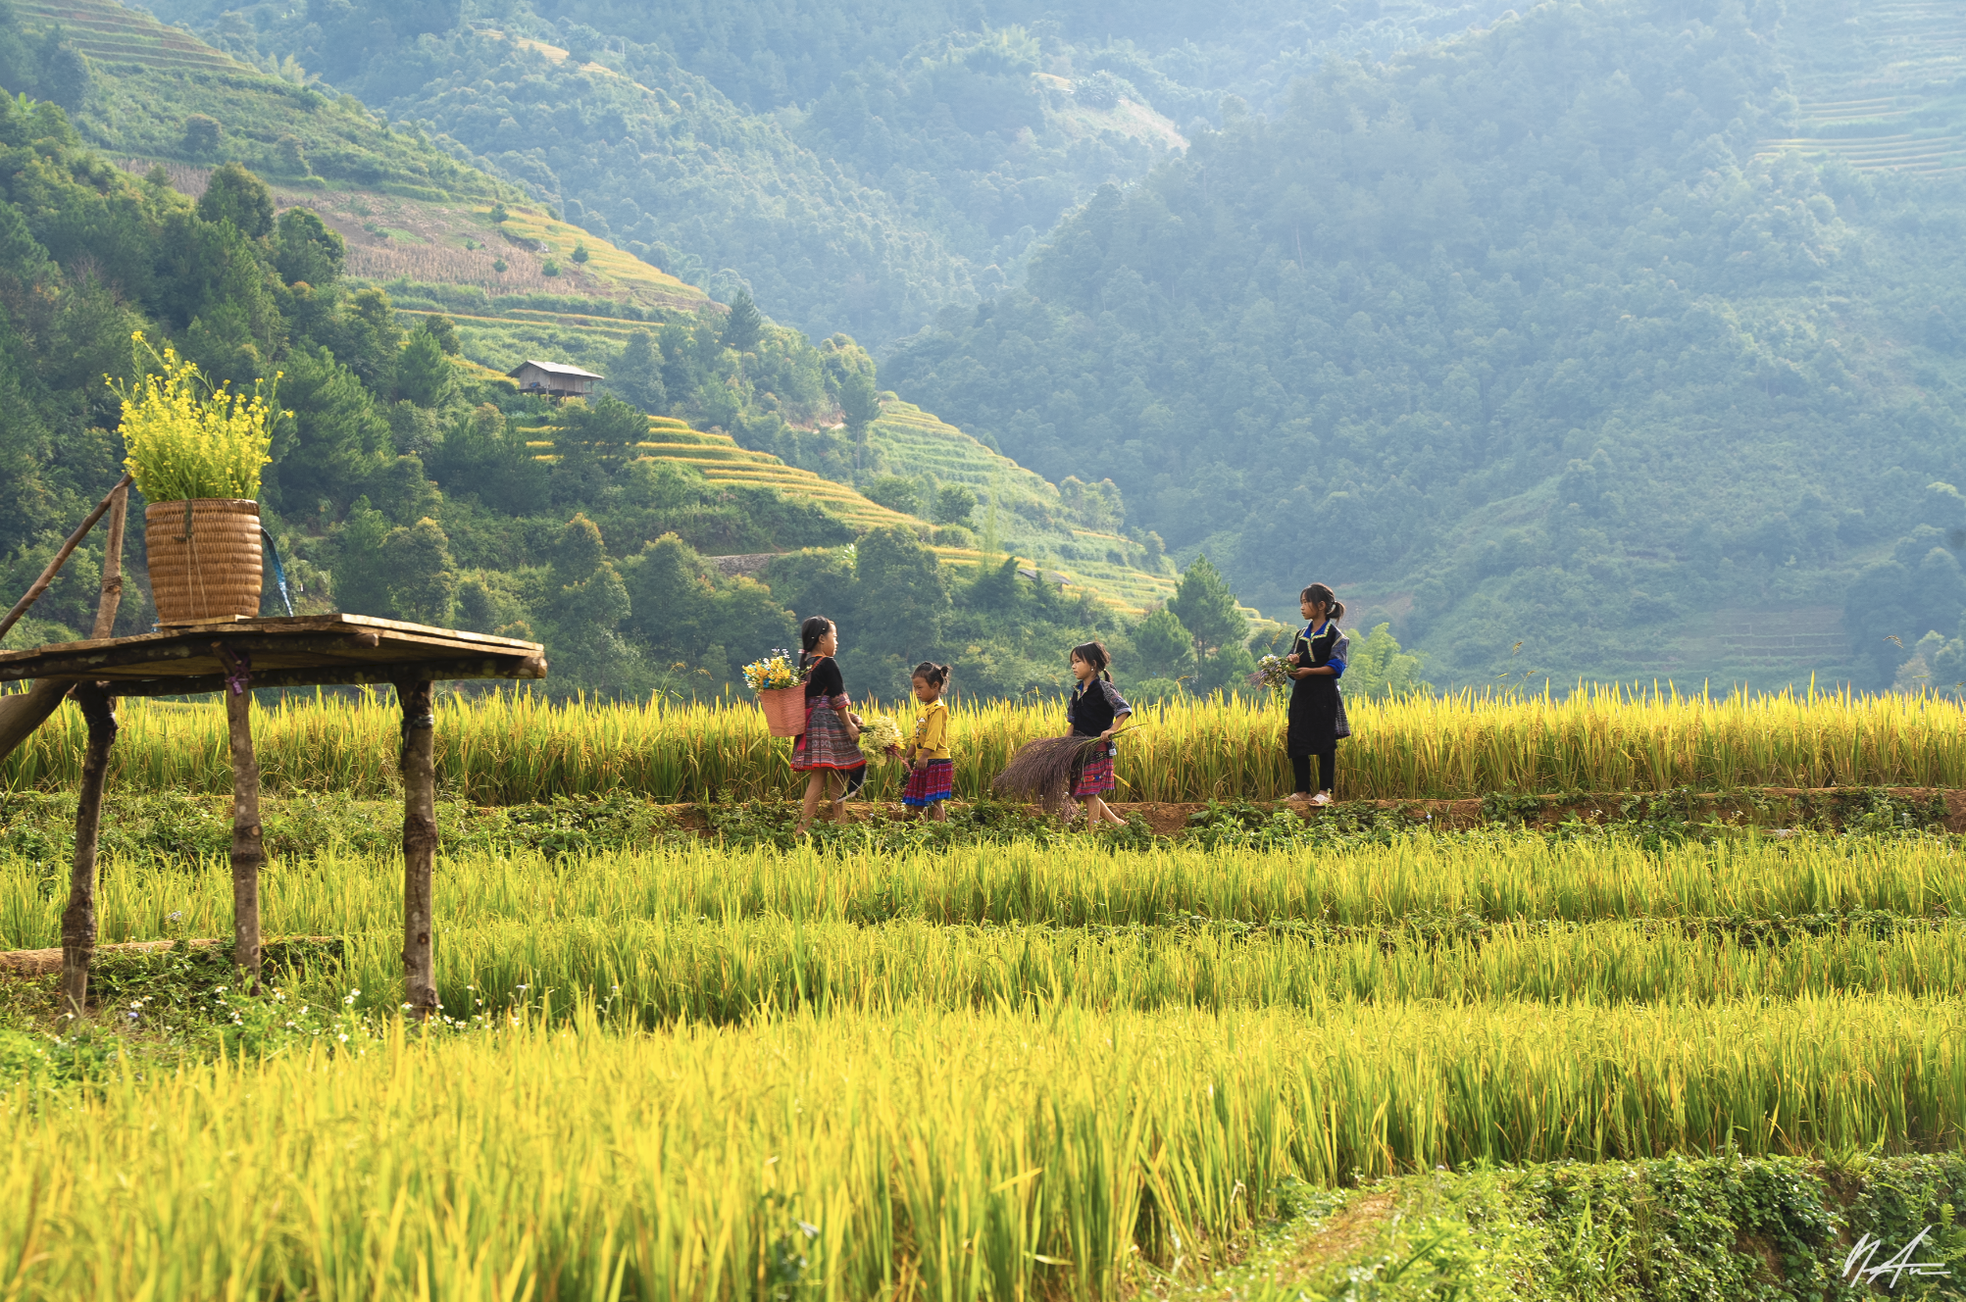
[932,774]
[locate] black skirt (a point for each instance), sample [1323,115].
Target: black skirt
[1317,716]
[1317,707]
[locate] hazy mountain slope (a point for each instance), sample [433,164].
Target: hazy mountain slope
[1510,337]
[1182,56]
[857,164]
[640,152]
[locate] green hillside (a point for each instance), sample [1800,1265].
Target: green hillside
[148,88]
[623,142]
[1033,519]
[1079,558]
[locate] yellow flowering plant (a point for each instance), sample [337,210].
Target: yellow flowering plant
[187,438]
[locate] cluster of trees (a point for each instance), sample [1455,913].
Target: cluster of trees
[90,255]
[1514,326]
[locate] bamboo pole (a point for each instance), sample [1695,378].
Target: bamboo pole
[22,713]
[416,761]
[61,557]
[248,846]
[78,920]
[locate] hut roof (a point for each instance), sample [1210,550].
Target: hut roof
[553,368]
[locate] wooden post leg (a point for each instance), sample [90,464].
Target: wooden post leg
[248,850]
[78,920]
[419,845]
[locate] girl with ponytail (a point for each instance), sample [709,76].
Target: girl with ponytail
[1096,709]
[830,743]
[1317,711]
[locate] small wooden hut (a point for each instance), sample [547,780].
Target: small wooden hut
[553,379]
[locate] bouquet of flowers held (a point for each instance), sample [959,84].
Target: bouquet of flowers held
[779,669]
[880,739]
[1273,672]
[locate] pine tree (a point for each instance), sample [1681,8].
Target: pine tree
[1207,609]
[745,326]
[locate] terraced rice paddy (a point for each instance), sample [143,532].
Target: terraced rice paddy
[1031,515]
[1877,86]
[1003,1064]
[502,748]
[111,33]
[719,458]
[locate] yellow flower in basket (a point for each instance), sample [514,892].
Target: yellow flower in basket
[779,669]
[188,439]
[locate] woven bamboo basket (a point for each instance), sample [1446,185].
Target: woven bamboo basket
[211,571]
[785,710]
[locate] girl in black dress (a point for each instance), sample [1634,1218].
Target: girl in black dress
[1096,709]
[830,743]
[1317,711]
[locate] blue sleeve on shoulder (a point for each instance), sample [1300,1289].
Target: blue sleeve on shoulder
[1337,667]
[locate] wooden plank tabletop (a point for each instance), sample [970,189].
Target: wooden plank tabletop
[292,651]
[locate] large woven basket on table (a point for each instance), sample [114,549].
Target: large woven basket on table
[206,565]
[785,709]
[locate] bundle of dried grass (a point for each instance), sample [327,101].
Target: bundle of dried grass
[1042,770]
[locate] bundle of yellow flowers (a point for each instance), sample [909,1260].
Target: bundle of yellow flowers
[779,669]
[188,440]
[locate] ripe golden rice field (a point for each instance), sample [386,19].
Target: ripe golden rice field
[1012,1066]
[506,748]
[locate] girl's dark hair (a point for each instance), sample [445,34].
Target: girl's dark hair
[809,634]
[1319,595]
[1094,654]
[936,675]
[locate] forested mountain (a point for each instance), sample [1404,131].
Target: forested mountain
[639,152]
[1518,339]
[1181,57]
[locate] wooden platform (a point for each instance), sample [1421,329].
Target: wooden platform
[296,651]
[233,657]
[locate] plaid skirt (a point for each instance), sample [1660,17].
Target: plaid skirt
[824,744]
[1095,778]
[935,780]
